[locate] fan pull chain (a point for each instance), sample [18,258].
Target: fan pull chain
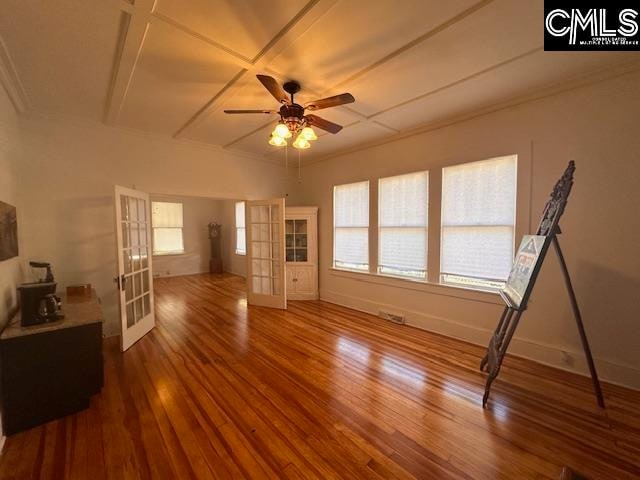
[299,166]
[286,157]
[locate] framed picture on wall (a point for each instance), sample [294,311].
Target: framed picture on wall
[8,231]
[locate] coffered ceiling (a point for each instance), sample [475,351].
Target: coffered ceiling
[170,67]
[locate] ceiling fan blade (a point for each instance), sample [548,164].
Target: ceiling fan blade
[274,88]
[320,122]
[334,101]
[269,112]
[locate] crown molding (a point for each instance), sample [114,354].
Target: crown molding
[575,82]
[11,82]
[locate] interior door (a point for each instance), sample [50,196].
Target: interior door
[135,278]
[265,253]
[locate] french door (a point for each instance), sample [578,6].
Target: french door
[266,284]
[135,279]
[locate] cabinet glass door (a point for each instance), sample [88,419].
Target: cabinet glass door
[296,240]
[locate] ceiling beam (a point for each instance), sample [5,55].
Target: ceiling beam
[255,130]
[134,29]
[11,82]
[415,42]
[303,20]
[125,6]
[459,81]
[233,56]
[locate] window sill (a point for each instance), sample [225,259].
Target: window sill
[168,254]
[240,254]
[448,290]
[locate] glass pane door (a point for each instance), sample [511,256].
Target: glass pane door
[134,260]
[265,224]
[135,252]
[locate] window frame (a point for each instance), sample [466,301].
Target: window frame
[379,228]
[237,228]
[432,283]
[469,281]
[344,267]
[156,253]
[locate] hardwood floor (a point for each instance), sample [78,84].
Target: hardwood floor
[321,391]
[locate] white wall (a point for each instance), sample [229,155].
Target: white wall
[598,127]
[197,212]
[69,171]
[10,151]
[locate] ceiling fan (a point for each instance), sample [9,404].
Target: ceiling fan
[293,120]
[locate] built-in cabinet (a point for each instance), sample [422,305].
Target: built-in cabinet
[301,252]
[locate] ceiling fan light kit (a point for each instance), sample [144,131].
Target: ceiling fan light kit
[301,143]
[277,141]
[282,131]
[293,120]
[308,134]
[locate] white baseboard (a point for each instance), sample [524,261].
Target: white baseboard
[237,274]
[179,274]
[196,273]
[552,355]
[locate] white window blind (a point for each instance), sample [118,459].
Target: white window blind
[351,226]
[241,232]
[402,222]
[166,220]
[478,221]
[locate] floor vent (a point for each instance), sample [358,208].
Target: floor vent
[393,317]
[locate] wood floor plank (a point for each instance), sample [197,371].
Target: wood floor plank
[222,390]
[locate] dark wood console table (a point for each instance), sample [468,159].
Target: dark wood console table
[51,370]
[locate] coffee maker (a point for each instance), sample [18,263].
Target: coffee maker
[38,300]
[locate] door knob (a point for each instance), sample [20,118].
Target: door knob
[121,281]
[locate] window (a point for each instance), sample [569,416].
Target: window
[166,220]
[241,232]
[402,225]
[478,222]
[351,226]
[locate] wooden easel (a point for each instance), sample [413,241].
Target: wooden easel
[513,310]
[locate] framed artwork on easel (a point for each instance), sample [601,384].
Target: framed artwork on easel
[525,269]
[522,279]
